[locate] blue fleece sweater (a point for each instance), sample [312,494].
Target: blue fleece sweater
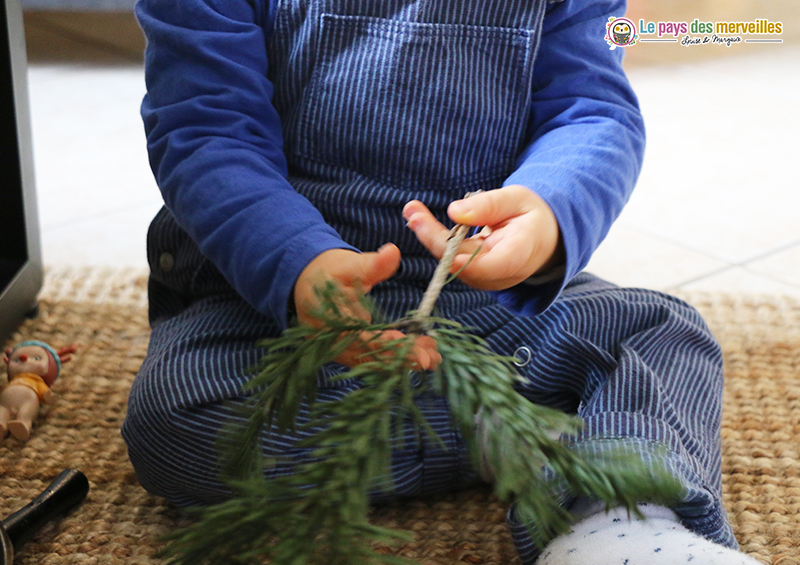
[215,142]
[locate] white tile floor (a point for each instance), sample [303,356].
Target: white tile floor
[717,206]
[96,193]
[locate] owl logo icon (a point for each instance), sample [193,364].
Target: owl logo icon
[620,32]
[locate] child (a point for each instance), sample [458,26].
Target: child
[298,141]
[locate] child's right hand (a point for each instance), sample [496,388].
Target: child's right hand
[356,273]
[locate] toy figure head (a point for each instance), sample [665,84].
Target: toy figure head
[34,357]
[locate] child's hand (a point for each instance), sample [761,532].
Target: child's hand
[520,236]
[357,273]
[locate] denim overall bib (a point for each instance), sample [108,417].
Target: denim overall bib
[382,102]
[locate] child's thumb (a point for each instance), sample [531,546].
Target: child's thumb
[490,207]
[378,266]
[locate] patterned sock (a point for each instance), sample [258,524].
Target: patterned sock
[613,538]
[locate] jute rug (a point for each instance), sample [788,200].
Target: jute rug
[105,312]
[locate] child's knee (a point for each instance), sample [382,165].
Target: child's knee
[172,451]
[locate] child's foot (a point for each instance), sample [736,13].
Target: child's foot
[614,538]
[19,429]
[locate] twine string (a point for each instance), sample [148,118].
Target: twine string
[420,321]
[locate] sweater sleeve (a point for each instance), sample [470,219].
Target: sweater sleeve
[216,148]
[587,138]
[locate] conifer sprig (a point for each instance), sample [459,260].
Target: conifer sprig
[315,511]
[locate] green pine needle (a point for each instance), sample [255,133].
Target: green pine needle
[318,513]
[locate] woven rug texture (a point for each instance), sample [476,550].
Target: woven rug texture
[105,312]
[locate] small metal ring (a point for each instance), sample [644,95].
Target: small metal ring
[519,360]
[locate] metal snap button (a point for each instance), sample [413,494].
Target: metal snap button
[166,262]
[522,356]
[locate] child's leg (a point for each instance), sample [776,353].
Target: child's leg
[635,364]
[199,359]
[638,367]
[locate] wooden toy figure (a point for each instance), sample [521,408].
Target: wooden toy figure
[33,366]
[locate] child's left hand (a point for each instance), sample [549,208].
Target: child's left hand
[520,236]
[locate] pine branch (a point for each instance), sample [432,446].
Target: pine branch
[314,512]
[518,440]
[326,498]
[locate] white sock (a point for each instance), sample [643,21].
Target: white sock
[614,538]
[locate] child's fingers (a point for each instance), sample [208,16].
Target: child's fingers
[492,207]
[371,346]
[358,351]
[431,233]
[347,304]
[496,267]
[351,306]
[425,356]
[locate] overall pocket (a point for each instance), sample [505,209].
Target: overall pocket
[417,104]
